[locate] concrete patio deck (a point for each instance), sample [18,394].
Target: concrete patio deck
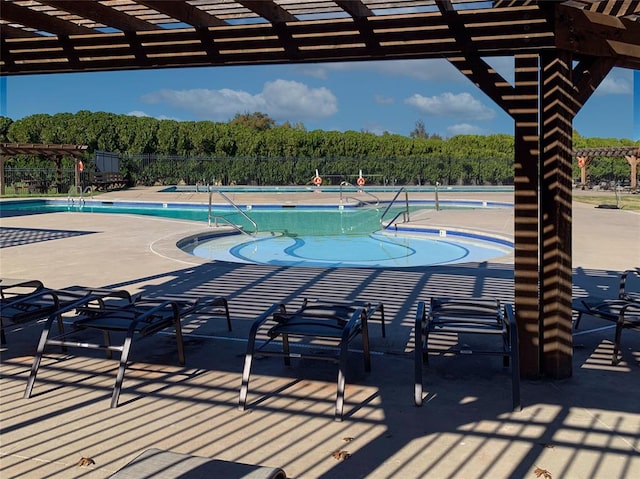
[587,426]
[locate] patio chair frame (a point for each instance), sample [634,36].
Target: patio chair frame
[18,307]
[476,316]
[313,320]
[139,318]
[623,310]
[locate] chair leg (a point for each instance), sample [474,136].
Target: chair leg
[365,344]
[577,323]
[124,357]
[514,351]
[179,341]
[246,370]
[286,350]
[507,348]
[228,316]
[37,358]
[342,368]
[107,341]
[3,337]
[616,343]
[515,376]
[418,352]
[61,331]
[246,373]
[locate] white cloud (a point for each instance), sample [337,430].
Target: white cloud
[137,113]
[461,105]
[291,99]
[280,99]
[464,129]
[615,85]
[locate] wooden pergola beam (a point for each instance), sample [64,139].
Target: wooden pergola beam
[49,151]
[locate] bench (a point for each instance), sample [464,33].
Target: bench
[105,180]
[30,186]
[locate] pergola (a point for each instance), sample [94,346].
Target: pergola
[50,152]
[562,51]
[630,153]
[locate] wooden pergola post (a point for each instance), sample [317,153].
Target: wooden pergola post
[558,107]
[524,111]
[633,163]
[2,186]
[583,162]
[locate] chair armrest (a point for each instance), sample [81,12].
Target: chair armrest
[623,293]
[263,318]
[357,322]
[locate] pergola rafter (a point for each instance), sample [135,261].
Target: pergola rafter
[629,153]
[546,39]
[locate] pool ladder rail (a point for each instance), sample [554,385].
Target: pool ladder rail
[217,218]
[404,213]
[361,189]
[77,190]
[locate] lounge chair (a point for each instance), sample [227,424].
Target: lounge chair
[29,300]
[143,317]
[161,464]
[11,290]
[470,316]
[624,310]
[338,321]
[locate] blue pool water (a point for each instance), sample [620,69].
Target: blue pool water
[318,236]
[373,250]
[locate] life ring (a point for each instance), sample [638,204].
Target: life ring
[80,166]
[581,162]
[317,180]
[361,181]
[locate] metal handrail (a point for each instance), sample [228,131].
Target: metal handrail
[224,220]
[237,208]
[346,183]
[404,213]
[73,190]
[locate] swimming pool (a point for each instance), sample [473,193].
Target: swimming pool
[301,236]
[375,250]
[334,188]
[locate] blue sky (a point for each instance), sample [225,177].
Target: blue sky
[362,96]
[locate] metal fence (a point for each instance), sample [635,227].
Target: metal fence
[39,180]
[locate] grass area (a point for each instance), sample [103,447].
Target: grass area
[625,201]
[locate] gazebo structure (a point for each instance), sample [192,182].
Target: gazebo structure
[562,50]
[50,152]
[630,153]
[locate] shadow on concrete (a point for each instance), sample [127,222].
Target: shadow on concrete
[584,426]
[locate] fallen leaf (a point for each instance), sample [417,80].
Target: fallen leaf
[85,462]
[542,473]
[337,455]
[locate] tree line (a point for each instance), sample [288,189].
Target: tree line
[252,149]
